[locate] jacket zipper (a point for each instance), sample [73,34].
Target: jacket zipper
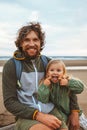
[36,87]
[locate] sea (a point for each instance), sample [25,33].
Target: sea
[53,57]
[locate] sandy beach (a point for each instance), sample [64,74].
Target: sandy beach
[81,73]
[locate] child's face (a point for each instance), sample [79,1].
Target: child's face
[55,71]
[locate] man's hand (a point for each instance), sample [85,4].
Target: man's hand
[74,121]
[49,120]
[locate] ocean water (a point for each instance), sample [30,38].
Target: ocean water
[5,57]
[57,57]
[83,59]
[54,57]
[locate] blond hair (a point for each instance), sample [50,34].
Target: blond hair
[54,61]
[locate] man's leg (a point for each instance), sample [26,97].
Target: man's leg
[40,127]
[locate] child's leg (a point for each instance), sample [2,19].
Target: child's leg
[64,129]
[56,113]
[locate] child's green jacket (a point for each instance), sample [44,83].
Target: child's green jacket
[60,95]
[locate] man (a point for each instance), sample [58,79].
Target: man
[20,98]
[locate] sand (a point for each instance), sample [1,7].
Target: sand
[7,118]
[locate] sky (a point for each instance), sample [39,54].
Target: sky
[63,21]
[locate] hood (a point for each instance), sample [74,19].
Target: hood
[18,55]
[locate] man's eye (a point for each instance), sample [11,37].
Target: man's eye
[26,39]
[35,39]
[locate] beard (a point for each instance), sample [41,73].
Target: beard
[31,51]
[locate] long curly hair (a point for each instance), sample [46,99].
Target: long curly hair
[22,33]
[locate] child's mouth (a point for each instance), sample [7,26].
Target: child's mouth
[54,78]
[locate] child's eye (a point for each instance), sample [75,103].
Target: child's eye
[51,70]
[58,70]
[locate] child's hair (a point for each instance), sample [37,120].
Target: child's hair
[51,62]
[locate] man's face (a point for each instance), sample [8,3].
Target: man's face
[31,44]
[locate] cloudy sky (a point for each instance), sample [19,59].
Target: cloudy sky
[64,22]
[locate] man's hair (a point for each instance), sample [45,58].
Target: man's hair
[22,33]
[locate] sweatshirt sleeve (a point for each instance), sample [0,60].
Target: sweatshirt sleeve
[73,102]
[76,86]
[9,87]
[43,93]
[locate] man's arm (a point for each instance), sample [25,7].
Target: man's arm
[74,116]
[73,102]
[9,84]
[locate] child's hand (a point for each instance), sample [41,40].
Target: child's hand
[63,80]
[47,81]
